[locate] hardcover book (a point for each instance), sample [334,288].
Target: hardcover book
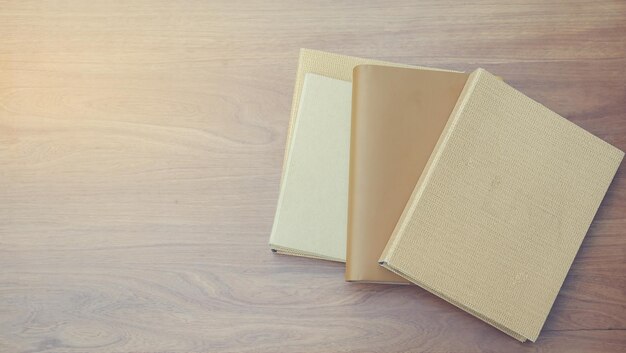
[311,215]
[398,115]
[502,206]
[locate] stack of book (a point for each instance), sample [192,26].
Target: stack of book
[456,182]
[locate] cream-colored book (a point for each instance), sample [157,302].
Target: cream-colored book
[309,220]
[502,206]
[312,213]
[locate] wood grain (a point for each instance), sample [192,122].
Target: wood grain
[141,145]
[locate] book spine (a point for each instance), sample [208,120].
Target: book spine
[424,179]
[351,175]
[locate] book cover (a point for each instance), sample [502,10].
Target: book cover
[398,115]
[502,207]
[311,216]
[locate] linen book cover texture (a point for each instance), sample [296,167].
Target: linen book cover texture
[398,115]
[311,216]
[506,198]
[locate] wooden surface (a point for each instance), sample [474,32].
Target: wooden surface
[141,145]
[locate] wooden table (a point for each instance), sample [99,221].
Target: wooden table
[141,145]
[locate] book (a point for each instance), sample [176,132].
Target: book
[502,206]
[398,115]
[311,216]
[293,232]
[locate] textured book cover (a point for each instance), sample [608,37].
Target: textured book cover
[311,216]
[398,115]
[502,207]
[293,232]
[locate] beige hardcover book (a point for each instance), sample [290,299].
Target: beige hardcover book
[292,232]
[311,216]
[503,204]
